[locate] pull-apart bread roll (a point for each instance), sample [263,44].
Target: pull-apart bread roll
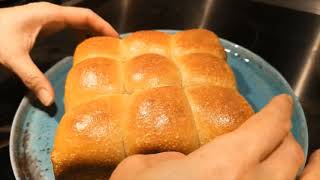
[149,92]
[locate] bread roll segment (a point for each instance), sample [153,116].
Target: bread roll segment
[159,119]
[107,47]
[144,42]
[197,41]
[217,110]
[92,78]
[204,68]
[150,71]
[149,92]
[90,136]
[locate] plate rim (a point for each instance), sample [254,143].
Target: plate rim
[233,46]
[16,119]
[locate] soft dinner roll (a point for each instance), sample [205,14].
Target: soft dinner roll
[197,41]
[159,119]
[147,93]
[92,78]
[106,47]
[90,136]
[216,110]
[203,68]
[144,42]
[150,71]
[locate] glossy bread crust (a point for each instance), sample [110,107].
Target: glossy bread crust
[150,71]
[145,42]
[92,78]
[159,119]
[197,41]
[217,110]
[90,136]
[101,46]
[204,68]
[149,92]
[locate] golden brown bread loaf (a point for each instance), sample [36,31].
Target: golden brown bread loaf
[149,92]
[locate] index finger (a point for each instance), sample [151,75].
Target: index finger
[261,134]
[82,18]
[254,139]
[264,131]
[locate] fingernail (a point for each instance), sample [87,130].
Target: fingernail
[45,97]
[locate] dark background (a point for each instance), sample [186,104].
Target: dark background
[286,36]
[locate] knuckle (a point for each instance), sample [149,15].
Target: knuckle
[87,14]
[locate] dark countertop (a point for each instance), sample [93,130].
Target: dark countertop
[287,39]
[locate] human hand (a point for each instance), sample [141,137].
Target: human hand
[312,170]
[21,25]
[261,148]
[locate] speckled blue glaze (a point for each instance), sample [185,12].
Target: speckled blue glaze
[34,126]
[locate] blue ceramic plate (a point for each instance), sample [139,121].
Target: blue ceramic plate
[34,126]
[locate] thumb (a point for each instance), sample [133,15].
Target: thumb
[33,78]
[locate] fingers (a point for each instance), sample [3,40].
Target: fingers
[134,164]
[55,18]
[312,170]
[82,18]
[264,131]
[284,162]
[33,78]
[252,141]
